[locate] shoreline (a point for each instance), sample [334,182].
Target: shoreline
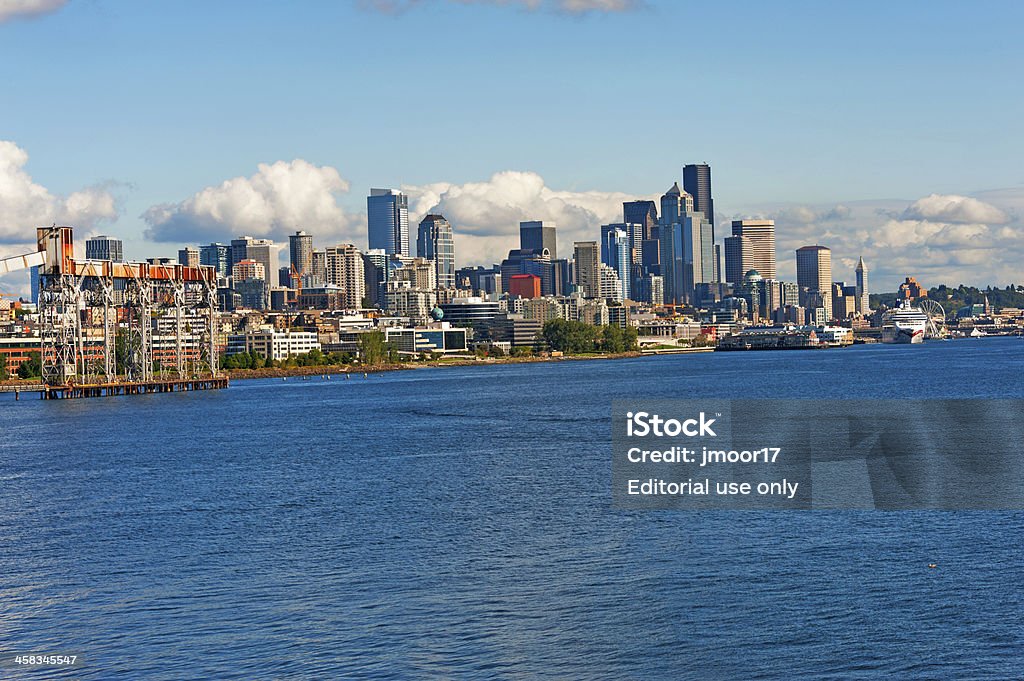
[250,374]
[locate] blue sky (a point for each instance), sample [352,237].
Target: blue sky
[795,105]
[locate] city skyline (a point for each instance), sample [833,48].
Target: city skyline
[167,153]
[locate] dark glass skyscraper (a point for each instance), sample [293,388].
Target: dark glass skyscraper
[435,241]
[697,181]
[536,235]
[641,213]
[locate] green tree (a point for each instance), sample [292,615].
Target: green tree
[569,337]
[4,373]
[31,367]
[372,348]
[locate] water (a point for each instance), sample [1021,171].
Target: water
[457,523]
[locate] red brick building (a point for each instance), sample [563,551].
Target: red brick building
[524,286]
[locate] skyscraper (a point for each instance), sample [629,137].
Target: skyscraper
[617,254]
[239,250]
[814,276]
[300,254]
[697,181]
[536,235]
[189,256]
[588,272]
[217,256]
[435,241]
[263,251]
[643,213]
[345,270]
[387,214]
[104,248]
[674,204]
[863,307]
[738,258]
[760,236]
[686,248]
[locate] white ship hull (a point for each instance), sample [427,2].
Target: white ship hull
[902,336]
[905,325]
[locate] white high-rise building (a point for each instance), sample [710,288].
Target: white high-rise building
[345,270]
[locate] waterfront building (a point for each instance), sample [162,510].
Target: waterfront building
[538,235]
[594,312]
[439,337]
[814,277]
[279,344]
[104,248]
[387,214]
[435,241]
[470,311]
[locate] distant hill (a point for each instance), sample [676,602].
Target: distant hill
[952,299]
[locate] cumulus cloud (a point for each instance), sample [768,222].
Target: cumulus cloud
[278,199]
[576,7]
[486,215]
[16,9]
[948,239]
[25,205]
[954,208]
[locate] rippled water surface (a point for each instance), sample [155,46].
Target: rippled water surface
[457,523]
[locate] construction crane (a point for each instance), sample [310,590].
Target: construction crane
[297,281]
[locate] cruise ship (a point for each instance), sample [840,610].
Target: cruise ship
[905,324]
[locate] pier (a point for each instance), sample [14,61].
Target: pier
[65,392]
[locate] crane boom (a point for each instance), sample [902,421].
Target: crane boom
[22,262]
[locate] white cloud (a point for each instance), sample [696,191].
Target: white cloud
[25,205]
[14,9]
[948,239]
[954,208]
[485,215]
[278,199]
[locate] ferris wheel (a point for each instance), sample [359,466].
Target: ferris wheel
[936,326]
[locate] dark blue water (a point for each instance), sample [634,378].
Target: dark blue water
[458,523]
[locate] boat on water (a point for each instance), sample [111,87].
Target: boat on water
[905,324]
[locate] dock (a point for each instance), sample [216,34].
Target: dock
[65,392]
